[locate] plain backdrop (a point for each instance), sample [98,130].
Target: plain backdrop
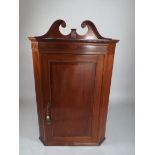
[113,18]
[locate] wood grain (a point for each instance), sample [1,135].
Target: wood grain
[72,82]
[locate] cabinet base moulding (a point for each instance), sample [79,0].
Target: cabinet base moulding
[72,143]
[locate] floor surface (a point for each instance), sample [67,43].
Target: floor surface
[119,133]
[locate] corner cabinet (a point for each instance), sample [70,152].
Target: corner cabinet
[72,82]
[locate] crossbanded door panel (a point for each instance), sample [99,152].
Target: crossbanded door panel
[72,86]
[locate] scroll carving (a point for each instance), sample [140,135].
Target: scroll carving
[54,32]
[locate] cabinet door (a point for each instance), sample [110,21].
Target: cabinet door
[71,90]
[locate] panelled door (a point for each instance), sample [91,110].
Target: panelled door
[71,89]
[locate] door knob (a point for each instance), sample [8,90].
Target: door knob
[48,114]
[48,119]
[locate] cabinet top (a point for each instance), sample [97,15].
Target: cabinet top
[92,34]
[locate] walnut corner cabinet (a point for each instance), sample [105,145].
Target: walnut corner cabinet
[72,82]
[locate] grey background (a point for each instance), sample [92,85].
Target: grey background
[113,19]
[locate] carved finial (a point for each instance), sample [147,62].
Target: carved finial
[73,34]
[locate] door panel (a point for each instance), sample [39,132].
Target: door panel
[71,88]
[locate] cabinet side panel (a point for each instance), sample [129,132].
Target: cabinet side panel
[38,90]
[106,82]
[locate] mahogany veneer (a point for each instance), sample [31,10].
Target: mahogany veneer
[72,82]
